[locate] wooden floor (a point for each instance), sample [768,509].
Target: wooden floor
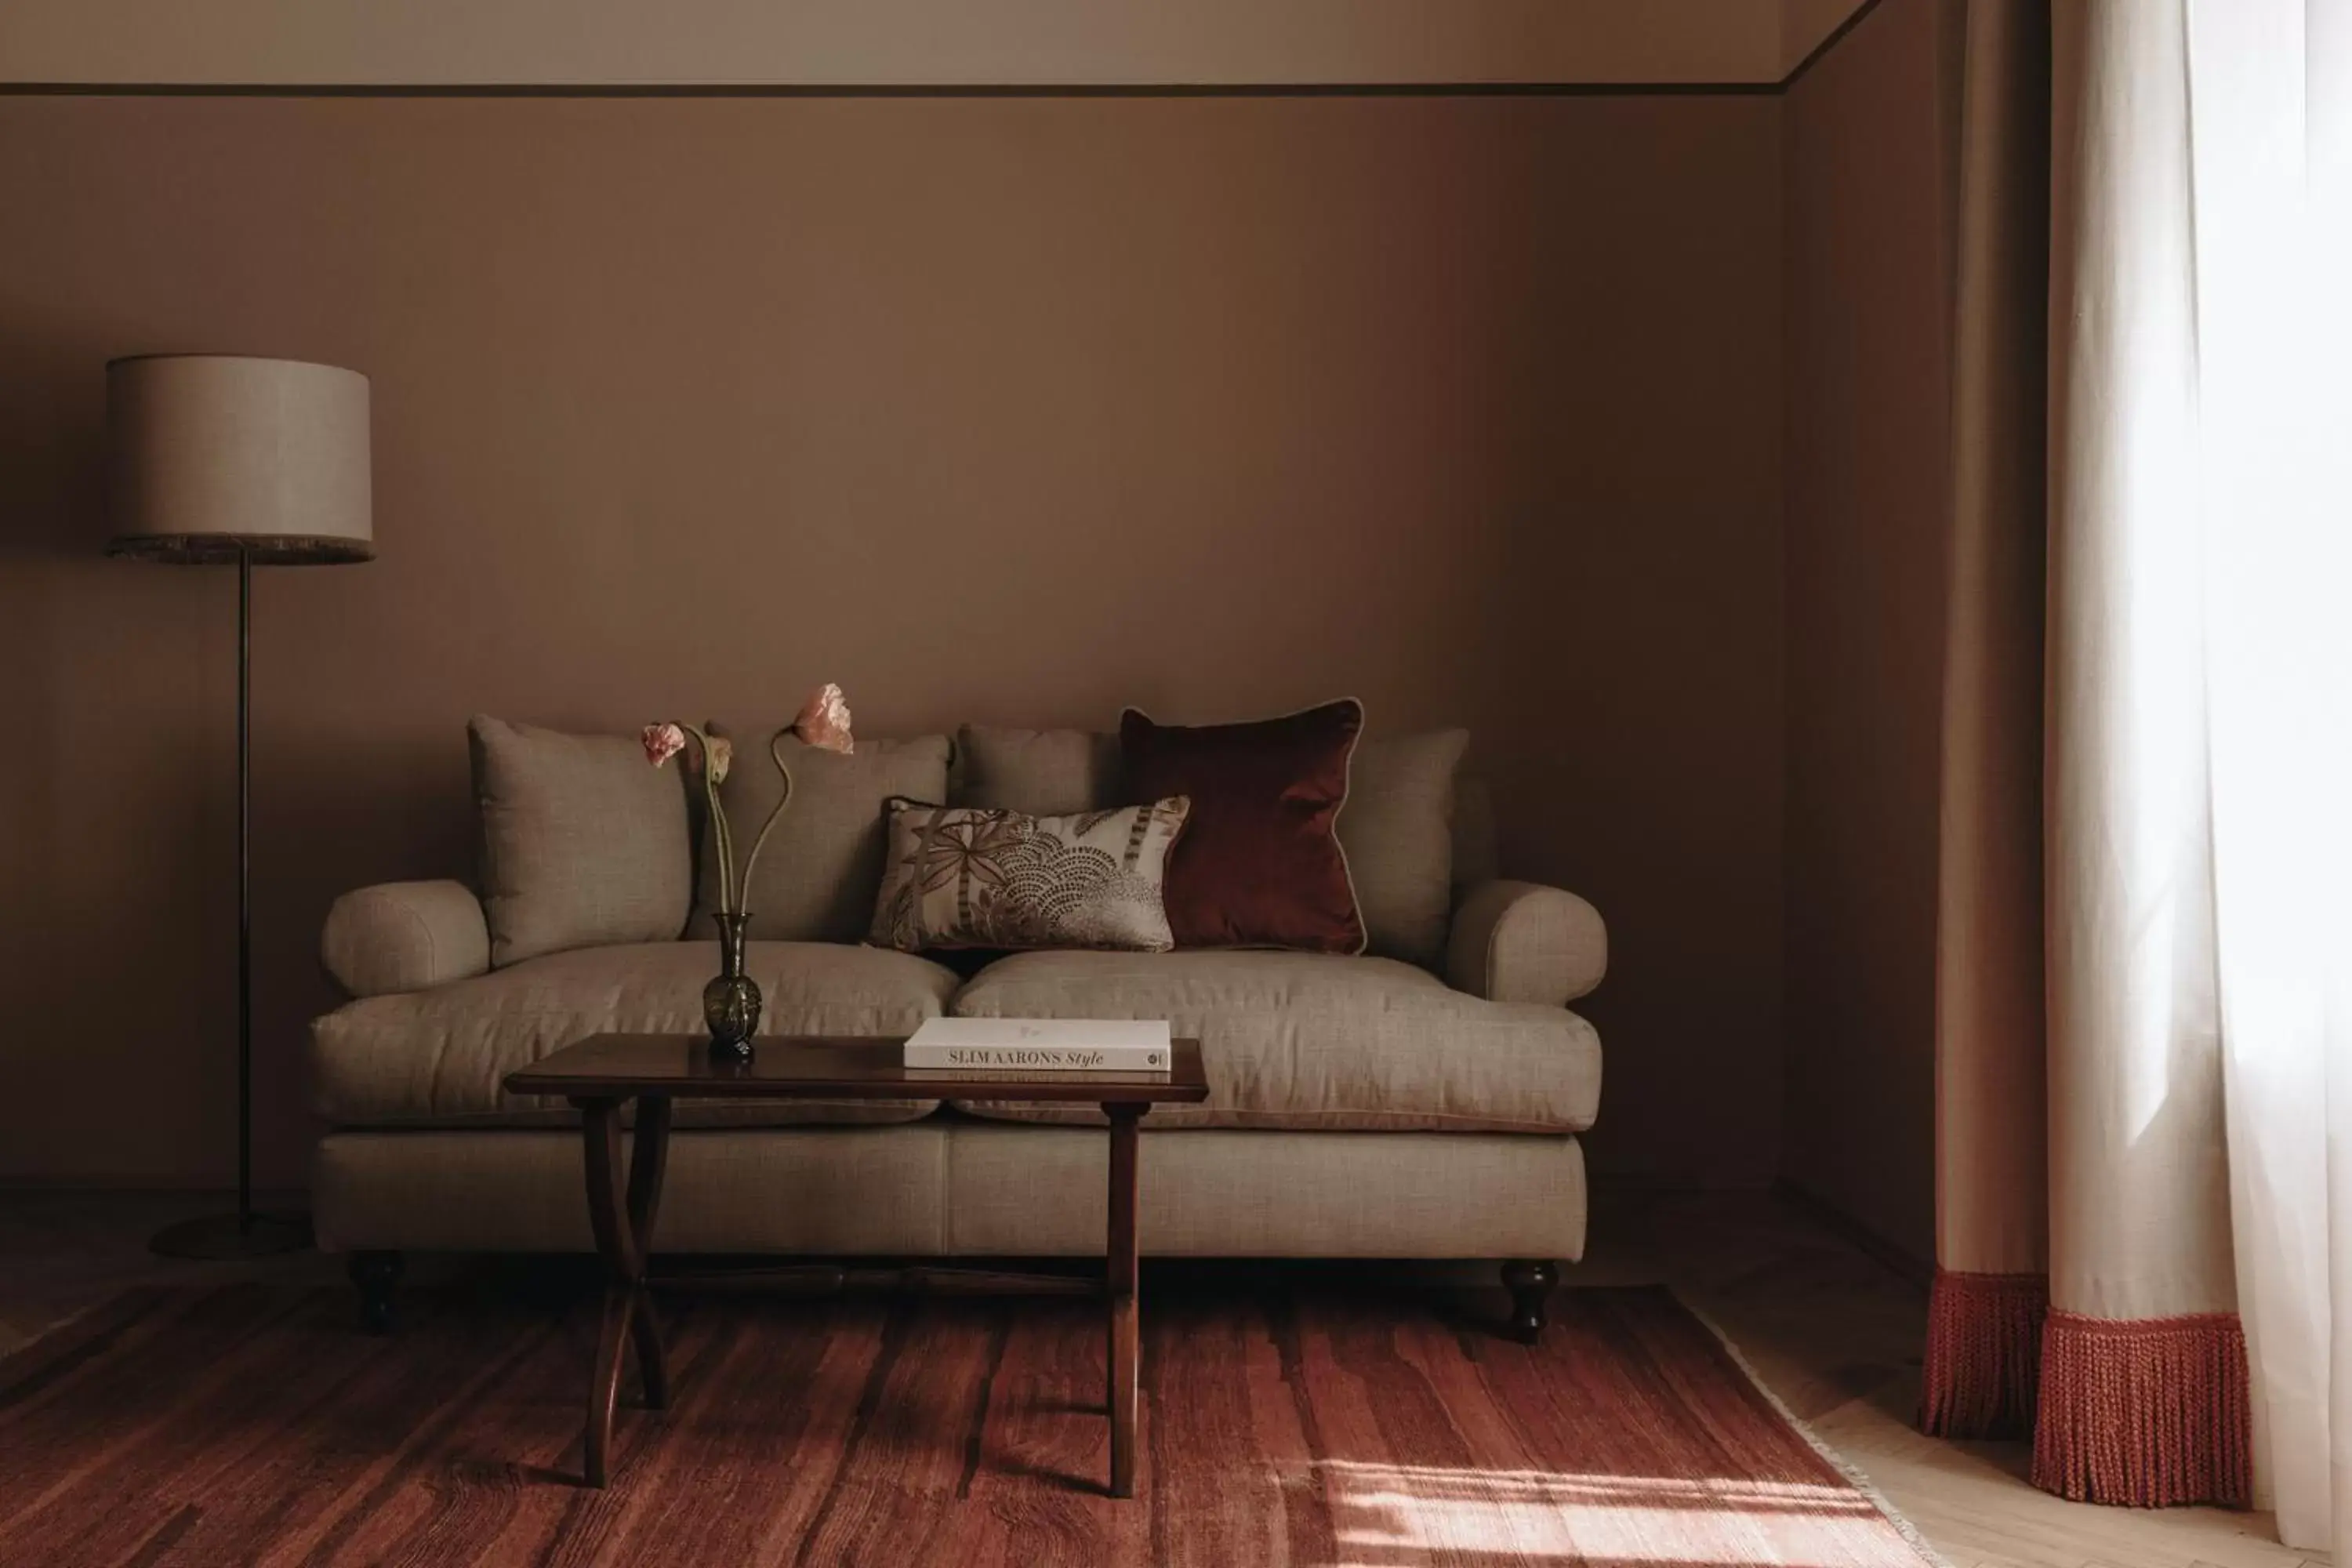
[1830,1331]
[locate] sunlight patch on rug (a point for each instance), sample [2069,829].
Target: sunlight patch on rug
[1391,1509]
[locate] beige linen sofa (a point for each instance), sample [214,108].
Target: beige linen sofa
[1421,1101]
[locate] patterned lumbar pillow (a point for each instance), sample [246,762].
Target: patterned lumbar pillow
[981,877]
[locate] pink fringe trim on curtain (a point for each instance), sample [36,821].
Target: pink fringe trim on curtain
[2147,1413]
[1984,1354]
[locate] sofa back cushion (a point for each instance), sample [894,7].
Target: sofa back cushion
[1414,826]
[1398,831]
[1040,772]
[1476,856]
[817,878]
[583,844]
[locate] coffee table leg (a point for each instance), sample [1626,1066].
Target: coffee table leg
[1119,1282]
[648,1157]
[622,1219]
[605,1385]
[647,1160]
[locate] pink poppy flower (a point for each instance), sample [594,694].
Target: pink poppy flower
[662,742]
[824,721]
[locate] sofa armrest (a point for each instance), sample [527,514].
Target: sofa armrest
[1518,941]
[404,936]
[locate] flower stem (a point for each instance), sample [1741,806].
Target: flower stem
[759,843]
[722,835]
[725,845]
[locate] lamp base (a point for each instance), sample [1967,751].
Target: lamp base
[228,1235]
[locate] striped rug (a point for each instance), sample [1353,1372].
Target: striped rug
[252,1425]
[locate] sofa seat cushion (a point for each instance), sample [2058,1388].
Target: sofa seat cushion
[1315,1041]
[436,1058]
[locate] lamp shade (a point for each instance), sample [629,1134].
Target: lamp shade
[214,457]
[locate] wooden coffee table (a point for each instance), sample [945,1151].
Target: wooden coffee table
[601,1074]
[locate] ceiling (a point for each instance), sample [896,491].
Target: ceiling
[875,43]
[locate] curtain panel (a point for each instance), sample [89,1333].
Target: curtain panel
[2143,1118]
[1981,1376]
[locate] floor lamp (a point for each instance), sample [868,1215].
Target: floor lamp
[217,461]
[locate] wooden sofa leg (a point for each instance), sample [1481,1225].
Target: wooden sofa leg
[1529,1281]
[375,1274]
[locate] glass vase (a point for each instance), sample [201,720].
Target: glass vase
[731,1002]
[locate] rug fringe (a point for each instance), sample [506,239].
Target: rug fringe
[1983,1366]
[2151,1413]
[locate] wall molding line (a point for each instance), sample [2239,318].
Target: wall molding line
[949,91]
[1837,35]
[991,89]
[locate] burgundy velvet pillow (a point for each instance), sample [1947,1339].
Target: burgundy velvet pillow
[1259,864]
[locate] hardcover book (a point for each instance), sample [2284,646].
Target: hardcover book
[1042,1045]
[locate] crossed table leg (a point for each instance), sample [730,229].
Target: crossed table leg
[621,1209]
[623,1219]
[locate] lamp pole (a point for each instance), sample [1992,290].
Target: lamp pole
[218,460]
[243,892]
[248,1233]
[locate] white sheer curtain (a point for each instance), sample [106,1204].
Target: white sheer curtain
[2269,86]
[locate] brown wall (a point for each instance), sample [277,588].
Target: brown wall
[1866,278]
[1011,410]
